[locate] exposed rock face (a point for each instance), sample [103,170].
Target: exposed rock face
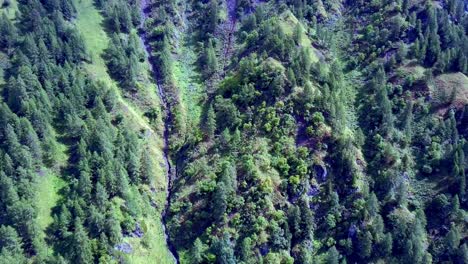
[124,248]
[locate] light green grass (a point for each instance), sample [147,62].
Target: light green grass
[411,70]
[187,81]
[48,187]
[89,23]
[155,251]
[47,196]
[288,23]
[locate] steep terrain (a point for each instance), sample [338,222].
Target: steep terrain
[233,131]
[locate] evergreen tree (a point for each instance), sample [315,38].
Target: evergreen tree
[333,256]
[210,122]
[196,252]
[373,205]
[10,241]
[8,33]
[219,201]
[81,251]
[224,250]
[453,239]
[383,102]
[210,58]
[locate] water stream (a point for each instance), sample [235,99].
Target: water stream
[167,118]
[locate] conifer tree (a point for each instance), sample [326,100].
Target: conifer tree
[196,252]
[211,60]
[333,256]
[81,250]
[210,122]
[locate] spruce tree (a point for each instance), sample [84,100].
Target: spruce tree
[196,252]
[333,256]
[81,250]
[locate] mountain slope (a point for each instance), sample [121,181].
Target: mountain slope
[237,131]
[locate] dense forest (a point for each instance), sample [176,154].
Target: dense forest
[233,131]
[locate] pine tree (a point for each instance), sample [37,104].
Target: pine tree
[415,244]
[8,33]
[365,244]
[229,178]
[17,94]
[165,61]
[453,239]
[211,60]
[383,102]
[81,251]
[219,201]
[212,16]
[210,126]
[333,256]
[224,250]
[373,205]
[112,227]
[85,185]
[196,252]
[298,34]
[408,121]
[9,240]
[463,254]
[147,168]
[246,249]
[10,246]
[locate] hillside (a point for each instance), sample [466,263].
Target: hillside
[233,131]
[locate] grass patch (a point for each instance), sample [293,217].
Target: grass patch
[288,22]
[412,70]
[152,246]
[449,91]
[187,81]
[89,23]
[47,196]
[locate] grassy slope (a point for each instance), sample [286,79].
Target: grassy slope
[89,23]
[186,78]
[454,86]
[47,197]
[187,81]
[48,187]
[288,22]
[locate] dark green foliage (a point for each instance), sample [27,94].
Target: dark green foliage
[50,101]
[123,57]
[209,62]
[7,32]
[80,250]
[196,252]
[333,256]
[121,16]
[223,250]
[293,161]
